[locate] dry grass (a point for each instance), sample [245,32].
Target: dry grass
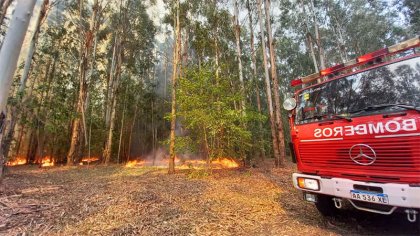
[116,200]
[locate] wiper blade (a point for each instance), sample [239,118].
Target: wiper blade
[382,106]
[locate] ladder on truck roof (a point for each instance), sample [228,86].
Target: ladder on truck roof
[367,58]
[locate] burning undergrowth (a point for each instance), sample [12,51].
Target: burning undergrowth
[49,161]
[46,161]
[160,159]
[17,161]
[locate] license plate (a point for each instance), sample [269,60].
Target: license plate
[380,198]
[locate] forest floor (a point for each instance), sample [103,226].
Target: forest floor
[116,200]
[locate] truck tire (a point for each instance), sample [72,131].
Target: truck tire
[325,206]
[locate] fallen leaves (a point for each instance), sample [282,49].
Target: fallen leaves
[114,200]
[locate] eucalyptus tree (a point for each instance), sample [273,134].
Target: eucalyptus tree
[272,116]
[9,56]
[255,77]
[22,85]
[276,88]
[175,74]
[85,48]
[237,28]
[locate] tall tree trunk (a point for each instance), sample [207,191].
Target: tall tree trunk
[130,137]
[239,54]
[152,116]
[108,145]
[79,124]
[184,55]
[33,146]
[110,84]
[239,59]
[268,88]
[19,142]
[165,83]
[217,57]
[176,57]
[216,43]
[32,47]
[9,55]
[338,31]
[33,140]
[28,62]
[255,78]
[43,111]
[318,38]
[122,128]
[308,37]
[91,86]
[276,88]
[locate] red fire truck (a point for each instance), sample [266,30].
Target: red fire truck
[355,133]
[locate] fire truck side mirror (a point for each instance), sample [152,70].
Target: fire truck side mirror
[289,104]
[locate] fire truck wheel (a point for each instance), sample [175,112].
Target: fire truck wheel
[325,206]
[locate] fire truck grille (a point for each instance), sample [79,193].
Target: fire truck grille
[395,158]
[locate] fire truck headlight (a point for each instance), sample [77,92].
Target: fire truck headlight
[305,183]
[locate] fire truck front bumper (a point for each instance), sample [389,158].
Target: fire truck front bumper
[362,195]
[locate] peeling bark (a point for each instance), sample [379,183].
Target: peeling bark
[79,123]
[255,78]
[276,88]
[176,57]
[276,150]
[9,55]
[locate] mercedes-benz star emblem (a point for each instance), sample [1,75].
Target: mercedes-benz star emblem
[362,154]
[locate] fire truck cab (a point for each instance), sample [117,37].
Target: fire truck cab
[355,133]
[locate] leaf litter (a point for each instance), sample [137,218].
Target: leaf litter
[115,200]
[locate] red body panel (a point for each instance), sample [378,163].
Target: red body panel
[322,148]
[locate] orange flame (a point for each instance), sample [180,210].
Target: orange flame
[134,163]
[16,162]
[226,163]
[47,162]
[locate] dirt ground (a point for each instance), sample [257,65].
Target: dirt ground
[116,200]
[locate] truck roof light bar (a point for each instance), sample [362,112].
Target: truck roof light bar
[411,43]
[296,82]
[304,80]
[372,55]
[331,70]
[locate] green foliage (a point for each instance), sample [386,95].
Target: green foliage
[206,108]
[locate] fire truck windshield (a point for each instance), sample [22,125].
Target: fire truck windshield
[391,87]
